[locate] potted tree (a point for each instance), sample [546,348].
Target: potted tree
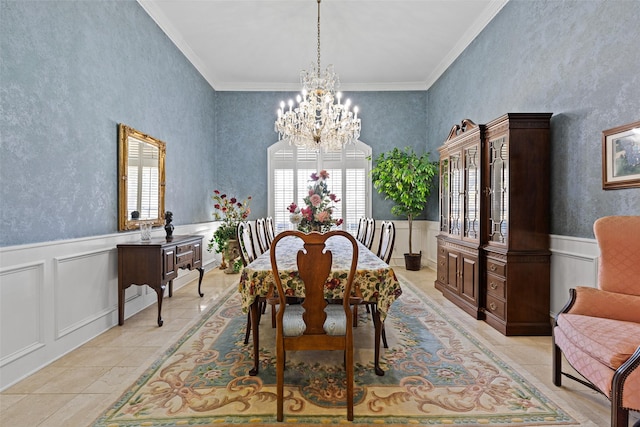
[405,178]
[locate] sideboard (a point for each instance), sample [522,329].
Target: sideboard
[156,263]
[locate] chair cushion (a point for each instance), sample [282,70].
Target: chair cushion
[609,341]
[293,325]
[611,305]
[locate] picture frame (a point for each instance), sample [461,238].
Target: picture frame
[621,157]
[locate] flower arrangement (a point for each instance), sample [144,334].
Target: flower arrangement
[316,215]
[230,211]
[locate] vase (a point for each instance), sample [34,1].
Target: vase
[231,254]
[145,230]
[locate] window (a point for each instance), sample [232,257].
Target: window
[290,168]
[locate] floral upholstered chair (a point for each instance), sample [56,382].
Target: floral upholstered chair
[599,329]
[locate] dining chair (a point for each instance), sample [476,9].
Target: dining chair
[385,248]
[387,240]
[271,229]
[362,229]
[261,235]
[245,240]
[248,255]
[370,232]
[314,324]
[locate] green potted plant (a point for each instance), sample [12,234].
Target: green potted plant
[405,178]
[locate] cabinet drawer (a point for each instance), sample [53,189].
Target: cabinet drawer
[496,286]
[496,268]
[495,306]
[442,266]
[184,259]
[180,249]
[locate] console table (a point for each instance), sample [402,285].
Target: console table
[155,263]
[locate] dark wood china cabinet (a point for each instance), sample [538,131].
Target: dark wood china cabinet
[459,241]
[493,246]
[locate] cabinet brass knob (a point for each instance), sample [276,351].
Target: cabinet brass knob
[492,306]
[493,267]
[493,286]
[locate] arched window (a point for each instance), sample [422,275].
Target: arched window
[290,168]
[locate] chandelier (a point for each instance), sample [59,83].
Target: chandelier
[318,121]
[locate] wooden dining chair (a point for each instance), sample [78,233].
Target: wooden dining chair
[362,230]
[248,255]
[261,235]
[271,229]
[387,240]
[370,232]
[315,324]
[245,240]
[385,248]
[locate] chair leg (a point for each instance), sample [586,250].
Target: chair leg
[557,365]
[384,337]
[280,361]
[248,331]
[619,416]
[350,381]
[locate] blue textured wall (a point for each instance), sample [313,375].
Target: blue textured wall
[245,130]
[576,59]
[71,71]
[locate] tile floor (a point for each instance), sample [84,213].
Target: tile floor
[74,390]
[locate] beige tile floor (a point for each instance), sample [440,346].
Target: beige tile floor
[78,387]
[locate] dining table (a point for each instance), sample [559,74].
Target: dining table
[374,282]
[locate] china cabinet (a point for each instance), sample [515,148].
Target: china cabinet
[458,268]
[493,246]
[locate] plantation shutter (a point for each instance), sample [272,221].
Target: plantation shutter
[290,169]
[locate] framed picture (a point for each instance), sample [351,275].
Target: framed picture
[621,157]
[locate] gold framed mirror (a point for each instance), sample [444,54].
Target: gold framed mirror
[141,179]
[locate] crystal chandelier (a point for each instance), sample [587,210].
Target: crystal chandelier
[317,121]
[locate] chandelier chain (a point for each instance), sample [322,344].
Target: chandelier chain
[318,121]
[319,38]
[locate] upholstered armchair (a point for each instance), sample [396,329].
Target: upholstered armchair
[598,331]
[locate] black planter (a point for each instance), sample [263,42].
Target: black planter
[413,262]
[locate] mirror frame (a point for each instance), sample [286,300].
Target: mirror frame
[124,133]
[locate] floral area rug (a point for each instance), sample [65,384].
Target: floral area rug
[436,374]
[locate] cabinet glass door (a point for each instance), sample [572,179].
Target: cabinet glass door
[472,199]
[444,195]
[456,194]
[498,194]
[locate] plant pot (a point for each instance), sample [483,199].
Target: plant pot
[413,262]
[231,254]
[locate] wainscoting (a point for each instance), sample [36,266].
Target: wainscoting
[56,296]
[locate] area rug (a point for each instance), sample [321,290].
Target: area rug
[436,374]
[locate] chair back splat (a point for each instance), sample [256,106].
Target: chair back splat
[271,229]
[362,230]
[387,240]
[370,232]
[261,234]
[245,241]
[315,324]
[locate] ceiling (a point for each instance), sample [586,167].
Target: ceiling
[262,45]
